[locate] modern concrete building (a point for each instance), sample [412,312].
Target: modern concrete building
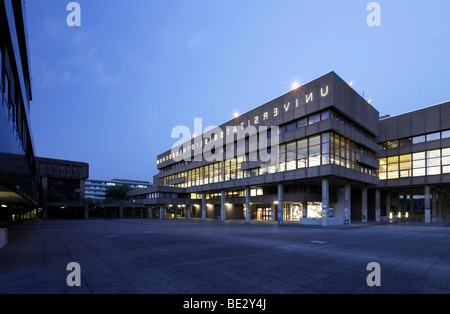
[63,188]
[19,180]
[96,189]
[332,161]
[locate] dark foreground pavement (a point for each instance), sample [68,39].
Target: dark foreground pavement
[195,257]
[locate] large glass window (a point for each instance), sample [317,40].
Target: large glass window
[302,146]
[405,166]
[434,162]
[446,160]
[291,156]
[446,134]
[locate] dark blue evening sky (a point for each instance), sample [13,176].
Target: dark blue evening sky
[110,92]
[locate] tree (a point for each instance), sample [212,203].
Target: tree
[117,192]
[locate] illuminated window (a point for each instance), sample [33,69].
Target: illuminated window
[392,144]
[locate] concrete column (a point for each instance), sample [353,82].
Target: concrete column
[280,204]
[411,207]
[388,204]
[161,212]
[377,205]
[222,206]
[86,211]
[348,204]
[121,211]
[150,213]
[427,205]
[364,205]
[188,211]
[175,212]
[440,206]
[325,201]
[203,206]
[247,205]
[434,207]
[82,190]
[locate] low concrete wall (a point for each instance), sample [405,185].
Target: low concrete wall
[3,237]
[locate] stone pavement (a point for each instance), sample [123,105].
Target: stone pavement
[141,256]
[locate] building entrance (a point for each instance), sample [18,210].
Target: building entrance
[263,212]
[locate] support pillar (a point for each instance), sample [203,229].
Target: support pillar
[348,204]
[364,205]
[222,206]
[280,204]
[188,211]
[150,213]
[86,211]
[247,205]
[440,206]
[203,206]
[121,211]
[411,207]
[427,205]
[325,201]
[161,212]
[434,206]
[377,205]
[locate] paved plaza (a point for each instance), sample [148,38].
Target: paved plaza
[142,256]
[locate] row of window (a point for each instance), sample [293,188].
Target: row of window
[322,116]
[60,169]
[313,151]
[432,162]
[416,140]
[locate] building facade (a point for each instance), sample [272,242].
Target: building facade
[19,180]
[63,188]
[96,189]
[336,161]
[324,143]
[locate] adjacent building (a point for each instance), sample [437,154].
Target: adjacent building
[96,189]
[63,188]
[333,160]
[19,180]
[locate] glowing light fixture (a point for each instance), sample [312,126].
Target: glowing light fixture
[4,206]
[295,85]
[236,115]
[276,202]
